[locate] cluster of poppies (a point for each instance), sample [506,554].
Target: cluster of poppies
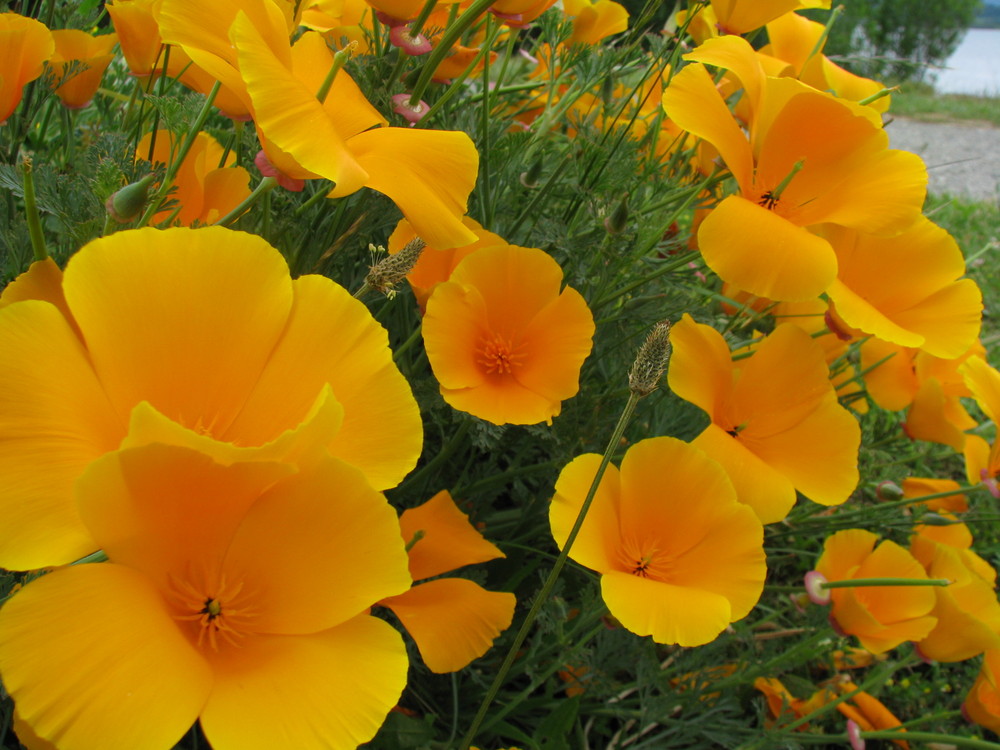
[219,436]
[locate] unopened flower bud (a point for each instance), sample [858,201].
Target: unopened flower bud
[888,490]
[530,178]
[651,361]
[391,270]
[127,203]
[936,519]
[616,222]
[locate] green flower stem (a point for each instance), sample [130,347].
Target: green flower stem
[266,185]
[31,212]
[542,598]
[339,58]
[851,583]
[412,339]
[904,502]
[448,39]
[417,25]
[315,198]
[673,265]
[93,557]
[175,165]
[931,737]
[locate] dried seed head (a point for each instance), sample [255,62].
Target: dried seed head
[651,361]
[391,270]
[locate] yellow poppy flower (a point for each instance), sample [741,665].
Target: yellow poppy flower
[741,16]
[789,181]
[775,417]
[881,617]
[428,174]
[187,336]
[90,55]
[868,711]
[593,20]
[26,45]
[505,342]
[205,190]
[920,486]
[452,620]
[216,606]
[907,289]
[982,462]
[679,557]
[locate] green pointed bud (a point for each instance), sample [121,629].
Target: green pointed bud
[530,178]
[127,203]
[935,519]
[617,221]
[888,490]
[608,91]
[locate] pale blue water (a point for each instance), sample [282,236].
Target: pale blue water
[974,68]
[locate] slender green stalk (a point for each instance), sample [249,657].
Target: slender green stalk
[542,598]
[944,739]
[448,39]
[860,582]
[31,212]
[266,185]
[417,25]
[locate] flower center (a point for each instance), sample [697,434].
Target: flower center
[497,355]
[219,611]
[645,561]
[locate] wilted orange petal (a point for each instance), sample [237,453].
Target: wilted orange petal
[96,633]
[452,620]
[328,689]
[448,540]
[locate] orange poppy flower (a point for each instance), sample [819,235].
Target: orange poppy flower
[881,617]
[928,387]
[435,266]
[234,371]
[204,189]
[504,340]
[26,45]
[216,606]
[775,417]
[680,558]
[967,611]
[982,463]
[868,711]
[593,20]
[342,22]
[920,486]
[982,704]
[89,56]
[907,289]
[760,239]
[138,33]
[452,620]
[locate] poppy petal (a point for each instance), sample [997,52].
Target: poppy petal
[595,545]
[330,689]
[452,620]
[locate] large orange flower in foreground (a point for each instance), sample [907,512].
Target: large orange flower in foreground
[452,620]
[505,341]
[679,557]
[216,604]
[776,424]
[881,617]
[189,336]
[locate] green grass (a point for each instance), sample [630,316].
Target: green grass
[918,100]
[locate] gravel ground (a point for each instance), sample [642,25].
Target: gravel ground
[962,158]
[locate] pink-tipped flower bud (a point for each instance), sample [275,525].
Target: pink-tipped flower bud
[854,735]
[414,113]
[412,45]
[814,581]
[127,203]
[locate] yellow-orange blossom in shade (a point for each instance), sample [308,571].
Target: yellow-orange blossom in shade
[25,45]
[776,424]
[505,341]
[217,606]
[810,159]
[452,620]
[80,61]
[982,704]
[881,617]
[982,462]
[679,557]
[185,336]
